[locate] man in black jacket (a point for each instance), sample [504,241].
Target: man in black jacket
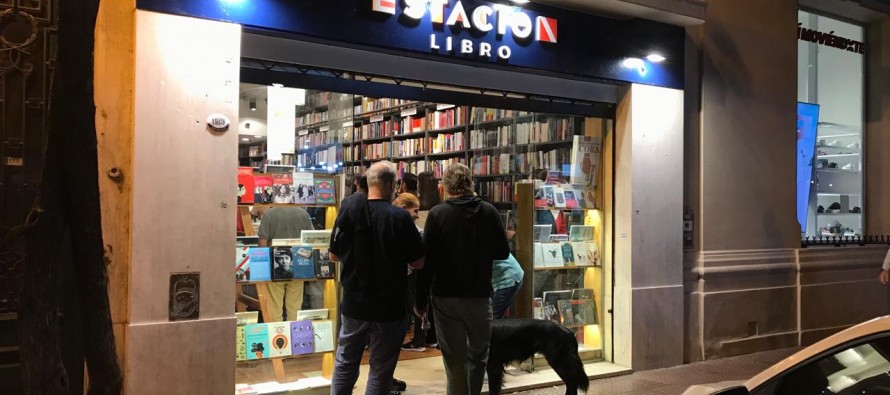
[462,237]
[376,242]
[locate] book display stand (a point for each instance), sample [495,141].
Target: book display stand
[261,302]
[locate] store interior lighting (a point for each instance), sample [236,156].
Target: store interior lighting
[252,104]
[655,58]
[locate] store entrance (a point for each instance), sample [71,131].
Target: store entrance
[302,143]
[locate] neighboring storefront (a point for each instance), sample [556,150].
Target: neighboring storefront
[618,80]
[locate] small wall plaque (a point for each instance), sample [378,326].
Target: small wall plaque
[185,292]
[218,122]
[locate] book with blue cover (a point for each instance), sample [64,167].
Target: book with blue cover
[257,336]
[304,267]
[260,264]
[302,337]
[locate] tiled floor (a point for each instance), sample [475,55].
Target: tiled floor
[673,381]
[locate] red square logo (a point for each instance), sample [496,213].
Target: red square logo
[545,29]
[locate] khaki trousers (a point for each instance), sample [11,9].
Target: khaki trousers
[284,293]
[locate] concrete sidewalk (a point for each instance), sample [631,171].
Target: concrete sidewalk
[673,381]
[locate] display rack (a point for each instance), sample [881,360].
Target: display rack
[837,181]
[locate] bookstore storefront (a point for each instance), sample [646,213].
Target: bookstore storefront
[571,124]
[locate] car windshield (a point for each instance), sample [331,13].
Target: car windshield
[861,369]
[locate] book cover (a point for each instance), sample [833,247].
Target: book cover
[245,185]
[568,255]
[257,338]
[324,335]
[582,252]
[594,253]
[582,293]
[581,232]
[548,195]
[566,314]
[321,238]
[260,264]
[540,198]
[282,263]
[585,312]
[542,233]
[579,196]
[323,266]
[282,187]
[262,188]
[285,242]
[242,263]
[559,197]
[245,318]
[550,308]
[324,191]
[303,266]
[539,255]
[552,255]
[571,200]
[240,344]
[279,339]
[302,338]
[538,309]
[586,153]
[304,187]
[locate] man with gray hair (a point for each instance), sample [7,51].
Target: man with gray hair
[376,242]
[462,237]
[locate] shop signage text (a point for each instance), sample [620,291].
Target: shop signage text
[829,39]
[483,19]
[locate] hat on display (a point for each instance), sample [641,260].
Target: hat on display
[820,209]
[832,165]
[834,208]
[856,210]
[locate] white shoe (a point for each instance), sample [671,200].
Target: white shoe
[848,166]
[853,145]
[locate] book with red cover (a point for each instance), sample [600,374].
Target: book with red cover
[262,188]
[245,185]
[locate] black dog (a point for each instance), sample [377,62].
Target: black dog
[518,339]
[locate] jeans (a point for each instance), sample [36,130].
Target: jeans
[502,299]
[385,345]
[463,326]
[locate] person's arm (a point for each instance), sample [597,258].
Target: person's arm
[500,245]
[263,242]
[265,230]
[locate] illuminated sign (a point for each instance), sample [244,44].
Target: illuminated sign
[500,18]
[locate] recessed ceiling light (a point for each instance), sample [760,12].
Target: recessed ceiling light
[655,58]
[245,139]
[259,137]
[633,63]
[520,1]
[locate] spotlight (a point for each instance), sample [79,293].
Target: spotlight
[252,104]
[655,58]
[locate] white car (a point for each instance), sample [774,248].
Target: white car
[853,361]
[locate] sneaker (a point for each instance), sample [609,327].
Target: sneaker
[394,391]
[433,345]
[398,385]
[411,347]
[848,166]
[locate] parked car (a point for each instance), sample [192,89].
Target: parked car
[853,361]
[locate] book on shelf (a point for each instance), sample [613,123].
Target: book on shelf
[304,187]
[446,117]
[585,158]
[245,185]
[312,315]
[260,265]
[571,201]
[552,255]
[282,187]
[250,241]
[583,253]
[542,233]
[240,344]
[410,147]
[585,312]
[242,263]
[316,238]
[559,197]
[245,318]
[550,305]
[549,196]
[446,142]
[282,263]
[285,242]
[501,136]
[324,191]
[257,339]
[566,313]
[279,339]
[302,337]
[559,237]
[581,232]
[263,190]
[538,251]
[478,114]
[323,266]
[568,254]
[413,124]
[324,335]
[582,293]
[304,265]
[496,190]
[538,308]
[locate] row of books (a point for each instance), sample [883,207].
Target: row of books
[446,117]
[489,114]
[552,159]
[327,156]
[483,165]
[542,132]
[373,104]
[296,187]
[496,190]
[575,307]
[499,137]
[413,124]
[281,339]
[377,128]
[562,196]
[306,139]
[282,263]
[566,254]
[436,166]
[373,151]
[410,147]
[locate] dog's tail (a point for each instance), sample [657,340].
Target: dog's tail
[577,365]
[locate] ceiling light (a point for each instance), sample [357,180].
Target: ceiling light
[245,139]
[655,58]
[252,104]
[259,137]
[520,1]
[633,63]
